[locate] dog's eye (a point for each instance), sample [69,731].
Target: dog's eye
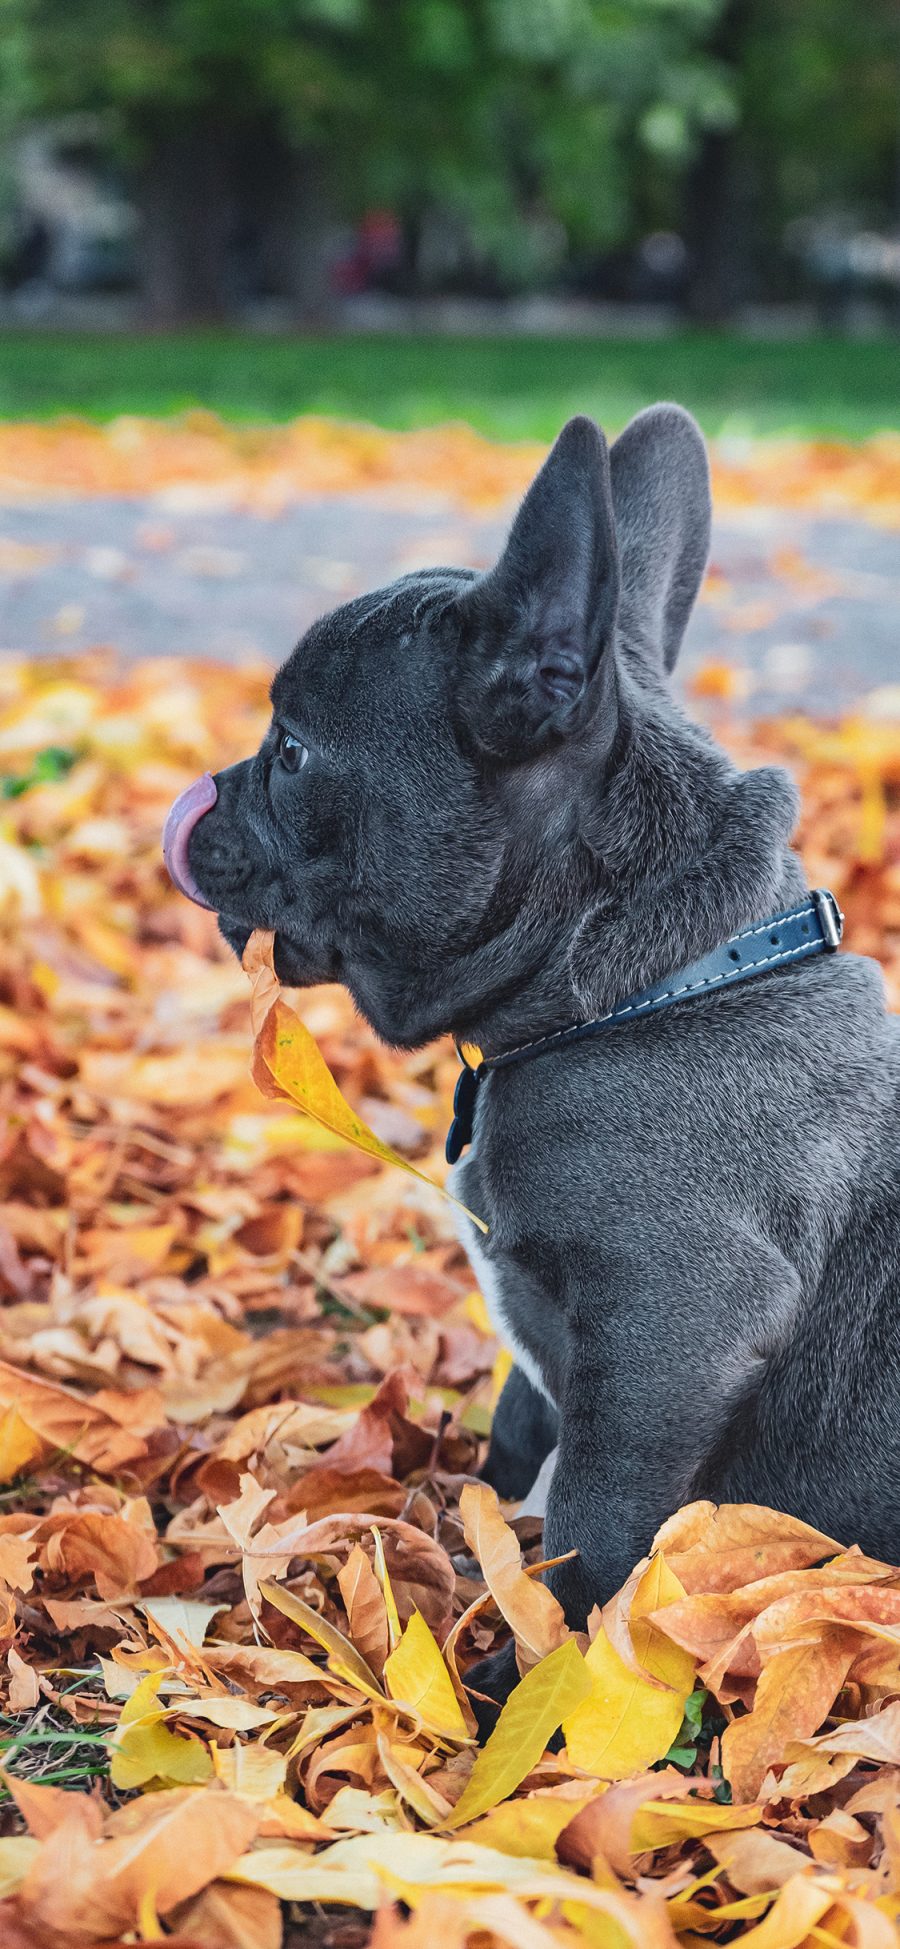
[292,753]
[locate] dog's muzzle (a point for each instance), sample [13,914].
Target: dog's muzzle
[189,808]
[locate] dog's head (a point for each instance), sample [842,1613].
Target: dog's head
[431,810]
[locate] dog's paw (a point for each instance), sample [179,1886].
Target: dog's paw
[489,1684]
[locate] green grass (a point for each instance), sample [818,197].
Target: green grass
[510,388]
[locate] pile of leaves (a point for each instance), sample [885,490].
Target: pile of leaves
[245,1381]
[200,460]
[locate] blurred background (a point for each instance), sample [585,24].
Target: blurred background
[367,162]
[218,215]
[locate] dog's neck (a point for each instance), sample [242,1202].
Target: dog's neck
[675,852]
[673,882]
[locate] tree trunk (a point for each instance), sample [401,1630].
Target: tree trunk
[715,232]
[287,190]
[717,220]
[183,196]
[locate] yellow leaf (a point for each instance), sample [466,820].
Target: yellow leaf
[500,1373]
[629,1722]
[144,1749]
[476,1312]
[343,1657]
[548,1696]
[293,1874]
[381,1572]
[256,1771]
[361,1869]
[17,1851]
[416,1676]
[659,1822]
[355,1810]
[143,1703]
[148,1917]
[357,1870]
[20,1446]
[526,1827]
[660,1657]
[152,1752]
[799,1905]
[527,1605]
[286,1817]
[181,1617]
[288,1062]
[625,1724]
[424,1800]
[227,1710]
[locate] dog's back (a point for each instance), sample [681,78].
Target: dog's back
[699,1249]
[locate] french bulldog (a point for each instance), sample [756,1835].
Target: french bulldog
[479,806]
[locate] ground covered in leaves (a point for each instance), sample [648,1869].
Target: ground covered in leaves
[245,1381]
[266,467]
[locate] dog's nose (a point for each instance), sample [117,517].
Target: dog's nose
[189,808]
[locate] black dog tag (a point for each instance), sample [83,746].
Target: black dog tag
[460,1131]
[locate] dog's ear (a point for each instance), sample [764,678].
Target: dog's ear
[534,630]
[660,488]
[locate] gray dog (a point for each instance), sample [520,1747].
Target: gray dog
[479,808]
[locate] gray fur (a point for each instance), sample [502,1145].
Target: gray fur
[506,824]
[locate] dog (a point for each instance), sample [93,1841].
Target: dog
[480,808]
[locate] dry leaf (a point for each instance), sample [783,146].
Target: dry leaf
[628,1720]
[365,1607]
[535,1709]
[795,1693]
[530,1609]
[288,1064]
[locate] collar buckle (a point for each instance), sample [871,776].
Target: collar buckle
[831,919]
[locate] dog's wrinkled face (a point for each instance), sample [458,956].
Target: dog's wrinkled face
[352,806]
[435,747]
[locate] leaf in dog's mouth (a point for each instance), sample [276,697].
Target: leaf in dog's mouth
[288,1063]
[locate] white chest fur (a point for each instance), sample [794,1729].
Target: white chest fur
[489,1282]
[486,1274]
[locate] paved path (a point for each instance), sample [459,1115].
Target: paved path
[809,607]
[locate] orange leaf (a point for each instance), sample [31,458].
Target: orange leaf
[530,1609]
[795,1693]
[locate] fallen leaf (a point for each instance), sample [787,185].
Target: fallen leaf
[720,1548]
[365,1607]
[795,1692]
[416,1676]
[224,1917]
[343,1658]
[530,1609]
[629,1720]
[158,1851]
[537,1706]
[287,1063]
[143,1748]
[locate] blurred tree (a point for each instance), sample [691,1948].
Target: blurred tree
[815,87]
[520,117]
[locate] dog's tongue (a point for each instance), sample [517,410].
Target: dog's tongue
[182,817]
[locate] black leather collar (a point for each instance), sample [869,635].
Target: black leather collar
[813,927]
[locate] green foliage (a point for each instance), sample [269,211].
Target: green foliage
[508,117]
[51,763]
[538,127]
[684,1751]
[519,388]
[818,93]
[485,107]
